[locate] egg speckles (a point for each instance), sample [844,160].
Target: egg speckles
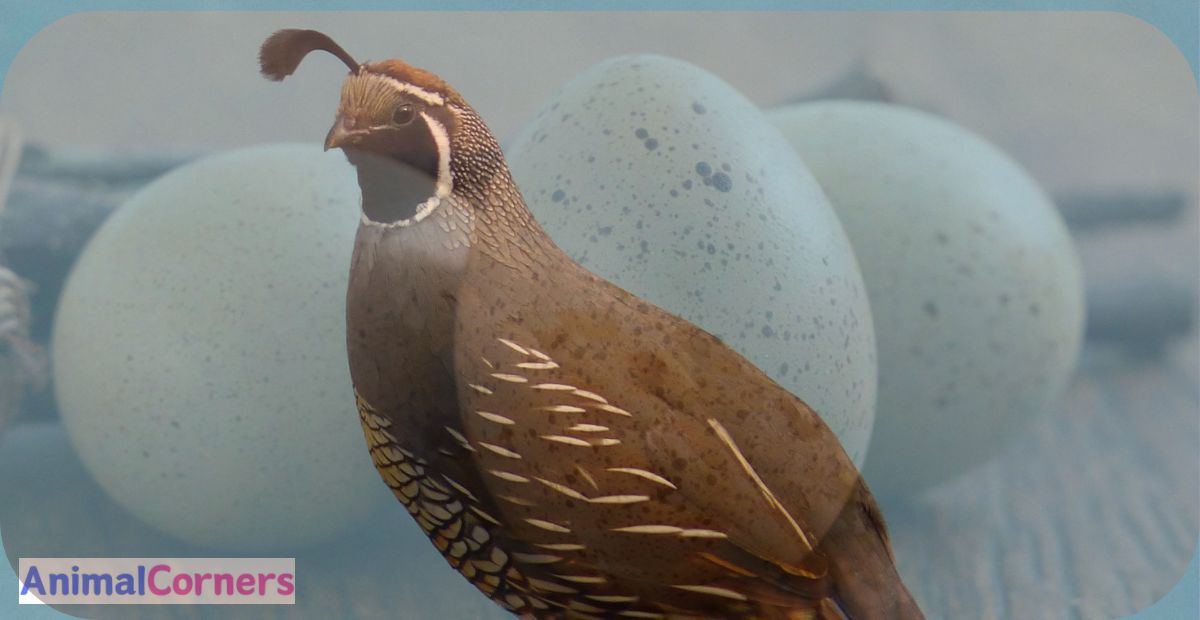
[975,287]
[662,178]
[199,353]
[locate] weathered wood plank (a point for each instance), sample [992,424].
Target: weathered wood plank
[12,302]
[1091,515]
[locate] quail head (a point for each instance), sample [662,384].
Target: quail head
[572,450]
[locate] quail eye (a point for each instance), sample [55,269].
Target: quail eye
[403,114]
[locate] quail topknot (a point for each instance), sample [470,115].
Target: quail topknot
[572,450]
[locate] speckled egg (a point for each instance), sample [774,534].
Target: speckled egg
[199,353]
[975,286]
[665,180]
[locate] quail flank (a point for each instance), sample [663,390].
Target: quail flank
[572,450]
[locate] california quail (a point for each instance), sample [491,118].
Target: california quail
[572,450]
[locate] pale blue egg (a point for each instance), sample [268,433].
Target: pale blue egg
[974,283]
[665,180]
[200,359]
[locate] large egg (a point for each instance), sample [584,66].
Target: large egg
[200,358]
[665,180]
[974,283]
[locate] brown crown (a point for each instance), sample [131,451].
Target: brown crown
[416,76]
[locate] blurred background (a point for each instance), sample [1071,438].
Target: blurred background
[1100,108]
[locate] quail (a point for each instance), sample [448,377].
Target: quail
[570,449]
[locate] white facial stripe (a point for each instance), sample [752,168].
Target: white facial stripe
[404,87]
[444,182]
[442,140]
[423,211]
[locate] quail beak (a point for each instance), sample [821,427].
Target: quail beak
[343,134]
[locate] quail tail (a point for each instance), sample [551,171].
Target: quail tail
[868,586]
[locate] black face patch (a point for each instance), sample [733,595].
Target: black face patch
[395,133]
[393,120]
[411,144]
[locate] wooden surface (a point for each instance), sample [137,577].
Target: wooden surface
[1092,515]
[10,385]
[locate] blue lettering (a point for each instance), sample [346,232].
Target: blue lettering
[33,579]
[126,584]
[97,583]
[59,584]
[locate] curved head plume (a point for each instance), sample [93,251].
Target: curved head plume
[282,52]
[394,114]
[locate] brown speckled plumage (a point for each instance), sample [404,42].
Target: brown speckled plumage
[572,450]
